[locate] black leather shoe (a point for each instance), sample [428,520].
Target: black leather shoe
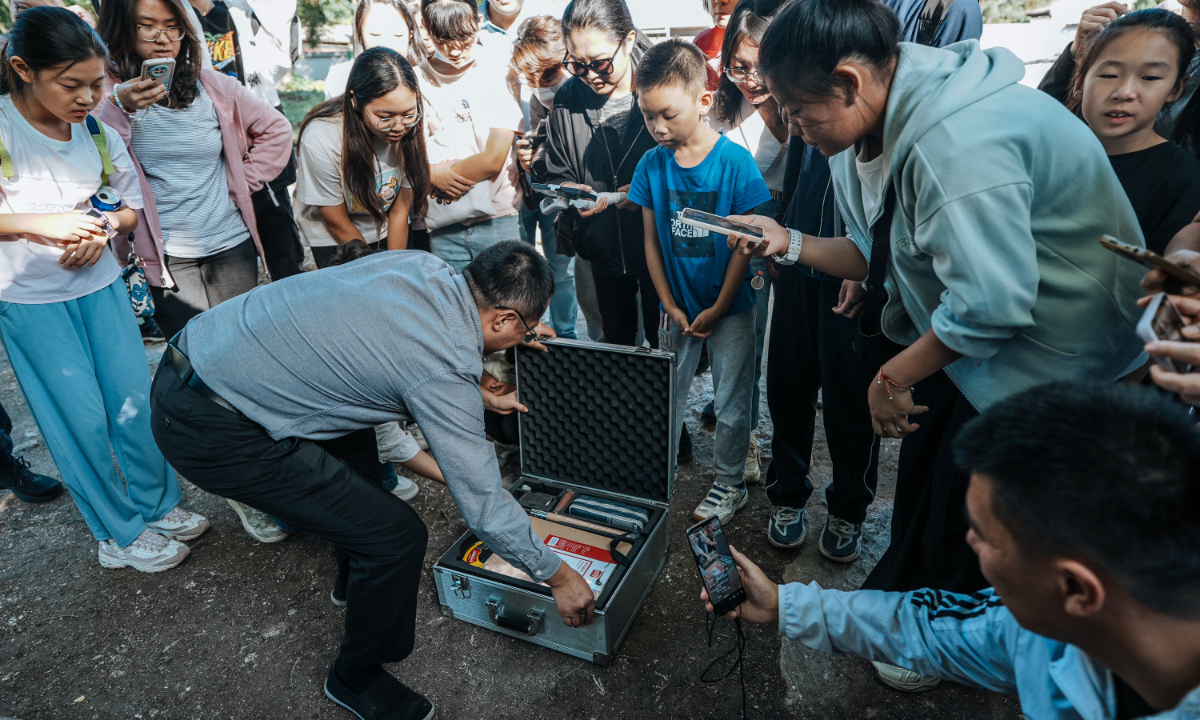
[385,699]
[683,455]
[31,487]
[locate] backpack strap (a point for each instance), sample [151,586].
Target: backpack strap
[96,129]
[6,164]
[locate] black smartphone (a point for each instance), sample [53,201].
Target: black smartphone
[715,561]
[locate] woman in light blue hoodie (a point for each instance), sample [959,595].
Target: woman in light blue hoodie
[996,281]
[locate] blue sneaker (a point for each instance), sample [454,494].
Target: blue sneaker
[787,529]
[31,487]
[841,541]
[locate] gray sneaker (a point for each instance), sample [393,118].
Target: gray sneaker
[149,553]
[181,525]
[257,524]
[841,541]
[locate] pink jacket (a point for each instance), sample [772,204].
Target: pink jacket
[258,144]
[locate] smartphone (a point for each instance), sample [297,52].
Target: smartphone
[108,228]
[160,70]
[567,192]
[1151,260]
[721,225]
[1162,321]
[715,561]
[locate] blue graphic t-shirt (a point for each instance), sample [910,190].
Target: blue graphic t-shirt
[727,182]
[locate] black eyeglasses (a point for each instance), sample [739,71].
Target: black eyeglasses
[600,67]
[530,335]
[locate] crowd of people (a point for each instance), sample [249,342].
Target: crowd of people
[929,271]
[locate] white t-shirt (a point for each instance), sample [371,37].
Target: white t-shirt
[55,176]
[319,183]
[336,79]
[481,97]
[870,174]
[751,132]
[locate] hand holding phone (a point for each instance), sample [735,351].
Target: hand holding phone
[160,70]
[1152,260]
[1162,322]
[721,225]
[716,564]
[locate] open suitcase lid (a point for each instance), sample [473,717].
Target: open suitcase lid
[600,418]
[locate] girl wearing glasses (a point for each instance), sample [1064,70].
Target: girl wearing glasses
[200,148]
[597,136]
[362,160]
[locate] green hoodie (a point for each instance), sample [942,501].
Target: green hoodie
[1002,196]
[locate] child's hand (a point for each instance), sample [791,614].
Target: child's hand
[71,227]
[679,317]
[705,323]
[85,252]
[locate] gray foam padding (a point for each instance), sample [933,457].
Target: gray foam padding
[597,417]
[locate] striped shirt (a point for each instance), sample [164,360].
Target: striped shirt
[182,156]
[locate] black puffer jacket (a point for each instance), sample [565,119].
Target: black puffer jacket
[613,241]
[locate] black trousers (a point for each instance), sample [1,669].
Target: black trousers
[929,528]
[617,296]
[811,350]
[381,539]
[324,255]
[204,283]
[276,228]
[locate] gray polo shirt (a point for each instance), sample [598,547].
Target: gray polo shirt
[394,336]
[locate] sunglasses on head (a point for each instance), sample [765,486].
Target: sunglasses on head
[600,67]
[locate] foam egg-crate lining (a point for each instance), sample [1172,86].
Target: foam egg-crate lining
[597,417]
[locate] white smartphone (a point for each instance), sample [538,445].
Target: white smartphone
[160,70]
[721,225]
[1162,321]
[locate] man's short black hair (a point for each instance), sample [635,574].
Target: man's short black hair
[1107,473]
[673,63]
[513,274]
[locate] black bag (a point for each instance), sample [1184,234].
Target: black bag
[870,344]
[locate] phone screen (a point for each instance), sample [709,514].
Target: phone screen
[1167,322]
[712,553]
[720,222]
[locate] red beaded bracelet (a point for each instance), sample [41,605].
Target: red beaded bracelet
[889,384]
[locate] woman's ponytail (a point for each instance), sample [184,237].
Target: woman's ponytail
[47,37]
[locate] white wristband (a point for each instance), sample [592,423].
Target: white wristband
[792,254]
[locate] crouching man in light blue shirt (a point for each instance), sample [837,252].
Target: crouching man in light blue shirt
[1084,509]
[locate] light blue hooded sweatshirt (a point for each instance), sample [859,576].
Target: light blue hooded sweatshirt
[1002,196]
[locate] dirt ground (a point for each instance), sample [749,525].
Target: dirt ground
[243,630]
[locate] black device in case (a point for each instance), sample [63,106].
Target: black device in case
[599,421]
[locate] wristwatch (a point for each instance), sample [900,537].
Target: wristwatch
[792,254]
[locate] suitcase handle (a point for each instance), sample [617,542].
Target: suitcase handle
[530,625]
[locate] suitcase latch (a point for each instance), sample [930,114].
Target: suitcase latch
[460,585]
[529,625]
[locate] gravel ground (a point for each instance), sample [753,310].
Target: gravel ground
[243,630]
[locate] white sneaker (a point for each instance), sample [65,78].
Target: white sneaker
[903,680]
[179,524]
[419,436]
[722,501]
[257,524]
[752,473]
[149,553]
[405,489]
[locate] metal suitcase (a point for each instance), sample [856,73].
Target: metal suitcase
[599,422]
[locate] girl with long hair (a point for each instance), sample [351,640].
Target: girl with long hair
[201,148]
[362,159]
[65,318]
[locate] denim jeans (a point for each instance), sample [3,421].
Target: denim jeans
[731,351]
[563,312]
[458,244]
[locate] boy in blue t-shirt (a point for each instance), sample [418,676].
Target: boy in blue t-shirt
[704,287]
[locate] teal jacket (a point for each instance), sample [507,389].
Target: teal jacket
[1002,196]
